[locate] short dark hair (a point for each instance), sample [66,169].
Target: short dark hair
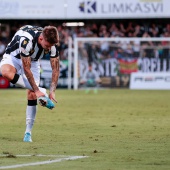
[50,34]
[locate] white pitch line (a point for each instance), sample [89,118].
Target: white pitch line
[43,162]
[39,155]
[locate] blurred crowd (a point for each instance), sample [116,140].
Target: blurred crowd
[110,28]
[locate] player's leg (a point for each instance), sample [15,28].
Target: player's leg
[96,86]
[10,68]
[31,111]
[95,90]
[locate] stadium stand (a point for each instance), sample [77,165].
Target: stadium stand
[99,28]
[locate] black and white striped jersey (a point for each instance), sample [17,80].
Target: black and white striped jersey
[25,43]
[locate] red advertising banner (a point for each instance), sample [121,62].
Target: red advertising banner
[4,83]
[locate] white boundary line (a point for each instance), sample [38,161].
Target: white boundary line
[42,162]
[38,155]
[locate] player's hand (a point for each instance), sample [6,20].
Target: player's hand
[38,93]
[52,96]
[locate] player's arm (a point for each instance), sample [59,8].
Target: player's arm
[26,61]
[25,47]
[97,78]
[55,65]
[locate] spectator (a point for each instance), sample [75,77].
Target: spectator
[130,28]
[153,30]
[138,32]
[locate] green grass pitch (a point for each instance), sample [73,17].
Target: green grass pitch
[118,129]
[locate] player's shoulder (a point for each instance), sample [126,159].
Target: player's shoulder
[54,52]
[30,32]
[31,27]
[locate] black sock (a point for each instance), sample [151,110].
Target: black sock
[32,102]
[15,79]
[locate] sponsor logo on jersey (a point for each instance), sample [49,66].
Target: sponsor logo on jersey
[25,42]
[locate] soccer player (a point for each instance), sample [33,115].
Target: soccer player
[90,79]
[21,66]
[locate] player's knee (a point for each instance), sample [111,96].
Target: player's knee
[31,95]
[5,72]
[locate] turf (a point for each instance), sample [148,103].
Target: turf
[117,129]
